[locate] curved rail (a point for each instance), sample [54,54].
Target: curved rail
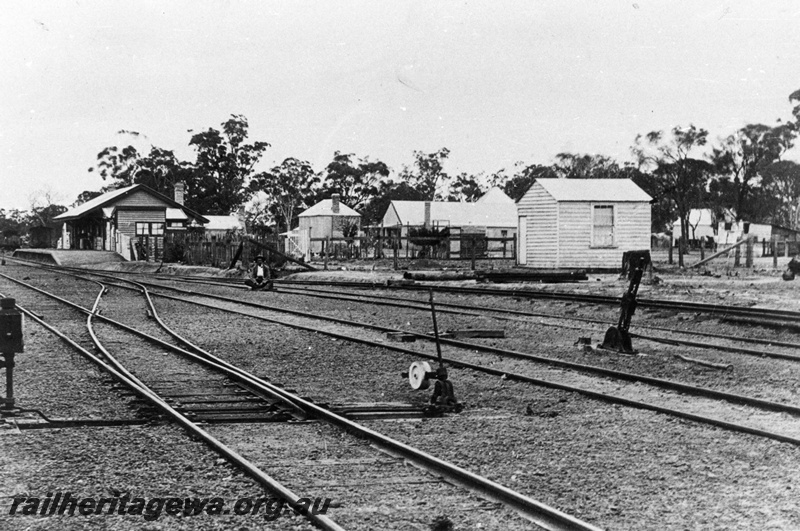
[539,513]
[115,369]
[444,308]
[522,378]
[658,382]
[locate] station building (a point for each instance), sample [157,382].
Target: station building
[116,220]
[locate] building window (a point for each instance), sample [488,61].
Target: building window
[603,226]
[144,228]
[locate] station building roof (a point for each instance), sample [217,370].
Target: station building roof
[106,204]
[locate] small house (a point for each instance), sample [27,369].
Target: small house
[330,218]
[582,223]
[702,224]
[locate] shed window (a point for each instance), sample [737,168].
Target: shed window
[144,228]
[603,226]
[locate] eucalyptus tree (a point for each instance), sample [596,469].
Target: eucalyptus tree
[680,178]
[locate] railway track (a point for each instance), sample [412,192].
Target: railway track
[787,318]
[105,332]
[525,316]
[731,343]
[573,383]
[748,316]
[116,370]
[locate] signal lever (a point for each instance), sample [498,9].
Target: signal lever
[617,337]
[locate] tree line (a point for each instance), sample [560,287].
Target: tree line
[743,176]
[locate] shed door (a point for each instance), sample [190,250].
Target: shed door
[522,240]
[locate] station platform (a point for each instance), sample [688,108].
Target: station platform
[68,257]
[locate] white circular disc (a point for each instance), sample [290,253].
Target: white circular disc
[416,375]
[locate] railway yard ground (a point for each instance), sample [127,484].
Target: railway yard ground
[698,429]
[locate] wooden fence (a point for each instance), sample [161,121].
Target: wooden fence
[779,248]
[212,250]
[203,249]
[456,247]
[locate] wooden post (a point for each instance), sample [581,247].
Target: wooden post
[737,257]
[394,247]
[670,249]
[702,248]
[748,258]
[774,243]
[474,242]
[514,249]
[786,247]
[326,244]
[720,253]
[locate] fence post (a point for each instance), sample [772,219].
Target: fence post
[703,248]
[394,247]
[326,246]
[748,259]
[670,249]
[786,247]
[774,244]
[474,241]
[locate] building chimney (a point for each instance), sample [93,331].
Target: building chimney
[427,214]
[335,203]
[180,188]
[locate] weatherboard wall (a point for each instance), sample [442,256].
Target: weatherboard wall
[559,233]
[140,199]
[127,219]
[541,211]
[631,232]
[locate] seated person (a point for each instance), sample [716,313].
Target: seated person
[259,275]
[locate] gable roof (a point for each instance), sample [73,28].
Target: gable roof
[609,190]
[457,214]
[325,208]
[492,209]
[108,198]
[495,196]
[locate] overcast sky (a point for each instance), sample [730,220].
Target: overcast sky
[495,82]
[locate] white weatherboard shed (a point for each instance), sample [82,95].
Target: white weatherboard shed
[581,223]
